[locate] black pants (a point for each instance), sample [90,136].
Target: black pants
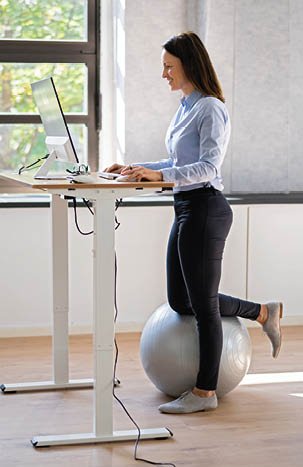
[203,219]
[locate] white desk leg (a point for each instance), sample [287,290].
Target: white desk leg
[59,209]
[104,289]
[59,216]
[60,298]
[104,276]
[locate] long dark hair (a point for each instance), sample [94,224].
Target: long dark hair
[197,65]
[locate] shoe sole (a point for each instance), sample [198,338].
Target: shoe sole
[281,310]
[210,409]
[281,316]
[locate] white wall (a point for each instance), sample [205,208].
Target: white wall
[273,271]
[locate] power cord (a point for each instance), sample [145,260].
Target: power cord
[30,166]
[76,218]
[82,169]
[132,420]
[115,368]
[86,202]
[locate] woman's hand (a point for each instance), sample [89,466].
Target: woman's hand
[115,168]
[141,173]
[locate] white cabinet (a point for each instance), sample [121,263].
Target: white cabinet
[275,255]
[233,280]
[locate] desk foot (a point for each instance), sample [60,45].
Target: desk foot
[3,387]
[47,386]
[86,438]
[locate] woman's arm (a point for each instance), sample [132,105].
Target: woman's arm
[158,165]
[146,171]
[118,168]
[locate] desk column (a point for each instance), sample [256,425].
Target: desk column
[104,284]
[59,211]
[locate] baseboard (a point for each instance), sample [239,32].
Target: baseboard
[120,328]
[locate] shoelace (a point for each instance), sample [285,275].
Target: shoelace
[184,394]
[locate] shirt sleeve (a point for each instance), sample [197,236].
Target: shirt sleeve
[211,125]
[165,163]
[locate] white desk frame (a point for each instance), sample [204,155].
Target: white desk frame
[103,291]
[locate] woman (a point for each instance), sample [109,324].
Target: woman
[196,141]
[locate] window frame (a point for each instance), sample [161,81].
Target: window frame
[86,52]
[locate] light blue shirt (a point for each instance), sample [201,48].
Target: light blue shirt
[196,141]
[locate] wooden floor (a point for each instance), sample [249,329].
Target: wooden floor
[254,425]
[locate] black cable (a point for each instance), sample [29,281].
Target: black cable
[28,169]
[76,219]
[117,204]
[115,294]
[25,167]
[86,202]
[131,418]
[82,169]
[115,368]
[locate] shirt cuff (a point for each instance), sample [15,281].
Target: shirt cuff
[168,175]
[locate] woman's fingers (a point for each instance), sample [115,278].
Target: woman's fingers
[116,168]
[133,172]
[129,169]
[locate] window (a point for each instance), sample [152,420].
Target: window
[38,39]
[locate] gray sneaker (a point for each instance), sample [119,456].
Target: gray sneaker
[272,326]
[189,403]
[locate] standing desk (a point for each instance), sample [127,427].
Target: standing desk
[103,194]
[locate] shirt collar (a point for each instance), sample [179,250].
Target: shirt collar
[189,101]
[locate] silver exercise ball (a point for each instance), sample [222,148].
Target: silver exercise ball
[169,352]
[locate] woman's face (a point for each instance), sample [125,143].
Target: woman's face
[174,73]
